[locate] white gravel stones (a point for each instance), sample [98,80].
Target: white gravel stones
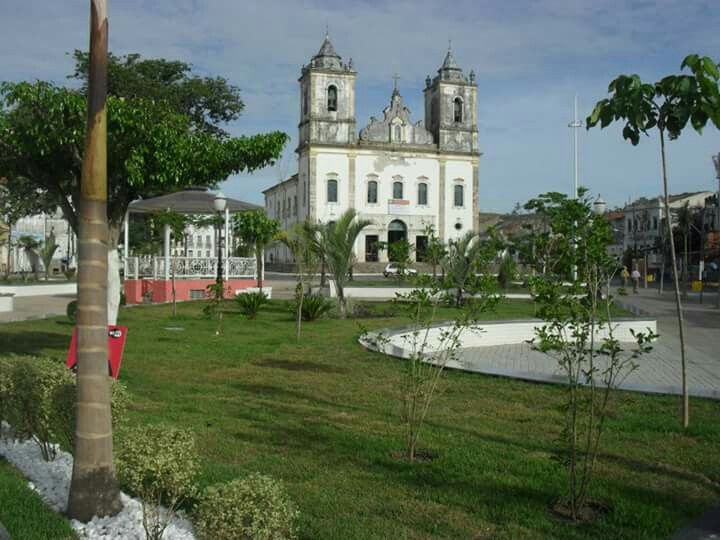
[51,480]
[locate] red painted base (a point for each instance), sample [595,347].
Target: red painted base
[160,290]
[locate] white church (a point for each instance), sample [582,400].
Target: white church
[403,176]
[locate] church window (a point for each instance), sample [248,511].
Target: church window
[459,195]
[458,109]
[332,190]
[305,101]
[332,98]
[372,192]
[397,190]
[422,194]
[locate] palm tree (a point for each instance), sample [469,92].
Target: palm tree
[461,262]
[93,488]
[47,252]
[334,242]
[30,246]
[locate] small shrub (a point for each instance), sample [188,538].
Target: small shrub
[6,391]
[251,302]
[255,507]
[314,307]
[64,411]
[71,311]
[31,409]
[622,291]
[159,465]
[69,273]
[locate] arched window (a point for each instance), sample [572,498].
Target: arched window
[398,133]
[332,190]
[372,192]
[332,98]
[459,195]
[422,194]
[397,190]
[458,109]
[304,101]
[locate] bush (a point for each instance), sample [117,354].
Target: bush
[314,307]
[5,391]
[71,311]
[69,273]
[255,507]
[159,465]
[251,302]
[64,411]
[29,400]
[506,272]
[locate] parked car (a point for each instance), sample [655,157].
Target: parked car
[392,269]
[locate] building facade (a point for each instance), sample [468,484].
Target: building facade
[402,175]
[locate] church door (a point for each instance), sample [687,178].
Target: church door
[397,231]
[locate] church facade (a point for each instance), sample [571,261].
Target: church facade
[402,175]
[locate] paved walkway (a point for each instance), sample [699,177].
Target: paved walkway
[37,307]
[658,371]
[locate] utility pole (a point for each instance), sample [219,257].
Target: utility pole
[716,162]
[575,125]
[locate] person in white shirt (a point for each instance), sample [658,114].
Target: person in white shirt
[635,279]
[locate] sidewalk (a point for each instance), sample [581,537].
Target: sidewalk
[702,321]
[37,307]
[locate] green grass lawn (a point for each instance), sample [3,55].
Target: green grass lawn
[24,514]
[322,416]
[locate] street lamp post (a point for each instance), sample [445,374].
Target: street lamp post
[716,162]
[219,203]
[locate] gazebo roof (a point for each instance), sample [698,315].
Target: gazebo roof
[190,201]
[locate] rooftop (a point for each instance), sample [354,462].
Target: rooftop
[190,201]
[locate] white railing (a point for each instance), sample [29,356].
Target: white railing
[189,267]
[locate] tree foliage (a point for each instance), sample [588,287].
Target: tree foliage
[257,229]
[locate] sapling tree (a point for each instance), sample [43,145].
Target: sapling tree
[578,332]
[299,240]
[429,348]
[467,265]
[177,223]
[257,229]
[435,251]
[666,106]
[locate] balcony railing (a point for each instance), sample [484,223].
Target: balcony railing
[189,267]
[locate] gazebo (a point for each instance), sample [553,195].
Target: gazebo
[150,278]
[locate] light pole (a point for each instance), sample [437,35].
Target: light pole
[716,162]
[575,125]
[219,203]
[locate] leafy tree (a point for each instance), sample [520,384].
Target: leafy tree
[18,200]
[154,149]
[334,242]
[666,106]
[177,224]
[206,101]
[399,253]
[578,333]
[257,229]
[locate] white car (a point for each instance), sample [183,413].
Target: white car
[392,269]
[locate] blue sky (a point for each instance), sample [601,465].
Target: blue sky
[530,57]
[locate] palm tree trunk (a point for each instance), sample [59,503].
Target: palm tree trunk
[93,489]
[676,284]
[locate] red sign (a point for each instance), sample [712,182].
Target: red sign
[116,344]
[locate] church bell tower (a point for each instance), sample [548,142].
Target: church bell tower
[451,108]
[327,99]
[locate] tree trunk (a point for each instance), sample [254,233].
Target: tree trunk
[93,489]
[685,266]
[678,303]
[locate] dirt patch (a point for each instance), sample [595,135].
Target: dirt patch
[591,512]
[422,455]
[298,365]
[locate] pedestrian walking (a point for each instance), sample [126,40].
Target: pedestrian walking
[625,276]
[635,279]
